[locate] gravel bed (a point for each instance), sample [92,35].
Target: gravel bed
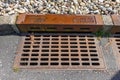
[9,7]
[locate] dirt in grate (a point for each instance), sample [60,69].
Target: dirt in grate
[60,51]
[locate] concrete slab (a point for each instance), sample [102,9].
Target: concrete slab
[7,24]
[108,24]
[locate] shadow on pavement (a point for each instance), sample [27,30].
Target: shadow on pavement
[116,76]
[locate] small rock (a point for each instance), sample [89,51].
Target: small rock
[20,11]
[53,11]
[75,1]
[96,12]
[107,5]
[40,8]
[101,0]
[11,12]
[118,1]
[82,4]
[8,9]
[95,7]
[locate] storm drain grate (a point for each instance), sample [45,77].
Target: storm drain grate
[60,51]
[116,46]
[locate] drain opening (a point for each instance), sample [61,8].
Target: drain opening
[93,54]
[54,54]
[33,64]
[84,50]
[44,54]
[85,59]
[34,54]
[95,64]
[54,46]
[74,50]
[75,63]
[85,64]
[46,39]
[54,59]
[26,50]
[26,46]
[83,46]
[25,54]
[34,59]
[54,50]
[65,59]
[23,63]
[46,50]
[64,46]
[45,46]
[24,59]
[84,54]
[73,42]
[27,42]
[44,59]
[54,63]
[64,64]
[75,59]
[74,55]
[94,59]
[44,64]
[73,46]
[64,54]
[64,50]
[35,50]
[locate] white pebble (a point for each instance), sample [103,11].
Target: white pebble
[118,1]
[11,12]
[101,0]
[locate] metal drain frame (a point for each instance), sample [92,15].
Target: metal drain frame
[100,55]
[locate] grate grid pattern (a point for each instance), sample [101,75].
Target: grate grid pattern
[60,51]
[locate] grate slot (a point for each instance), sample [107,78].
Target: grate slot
[75,63]
[35,54]
[23,63]
[24,54]
[33,64]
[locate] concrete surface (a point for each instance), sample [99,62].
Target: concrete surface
[7,24]
[108,23]
[8,45]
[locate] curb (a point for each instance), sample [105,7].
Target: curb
[8,23]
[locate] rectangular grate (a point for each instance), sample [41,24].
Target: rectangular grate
[116,47]
[59,51]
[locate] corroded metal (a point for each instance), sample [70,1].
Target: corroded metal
[59,23]
[59,51]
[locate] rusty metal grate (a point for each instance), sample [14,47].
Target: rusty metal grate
[60,51]
[116,46]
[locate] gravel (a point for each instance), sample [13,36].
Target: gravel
[10,7]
